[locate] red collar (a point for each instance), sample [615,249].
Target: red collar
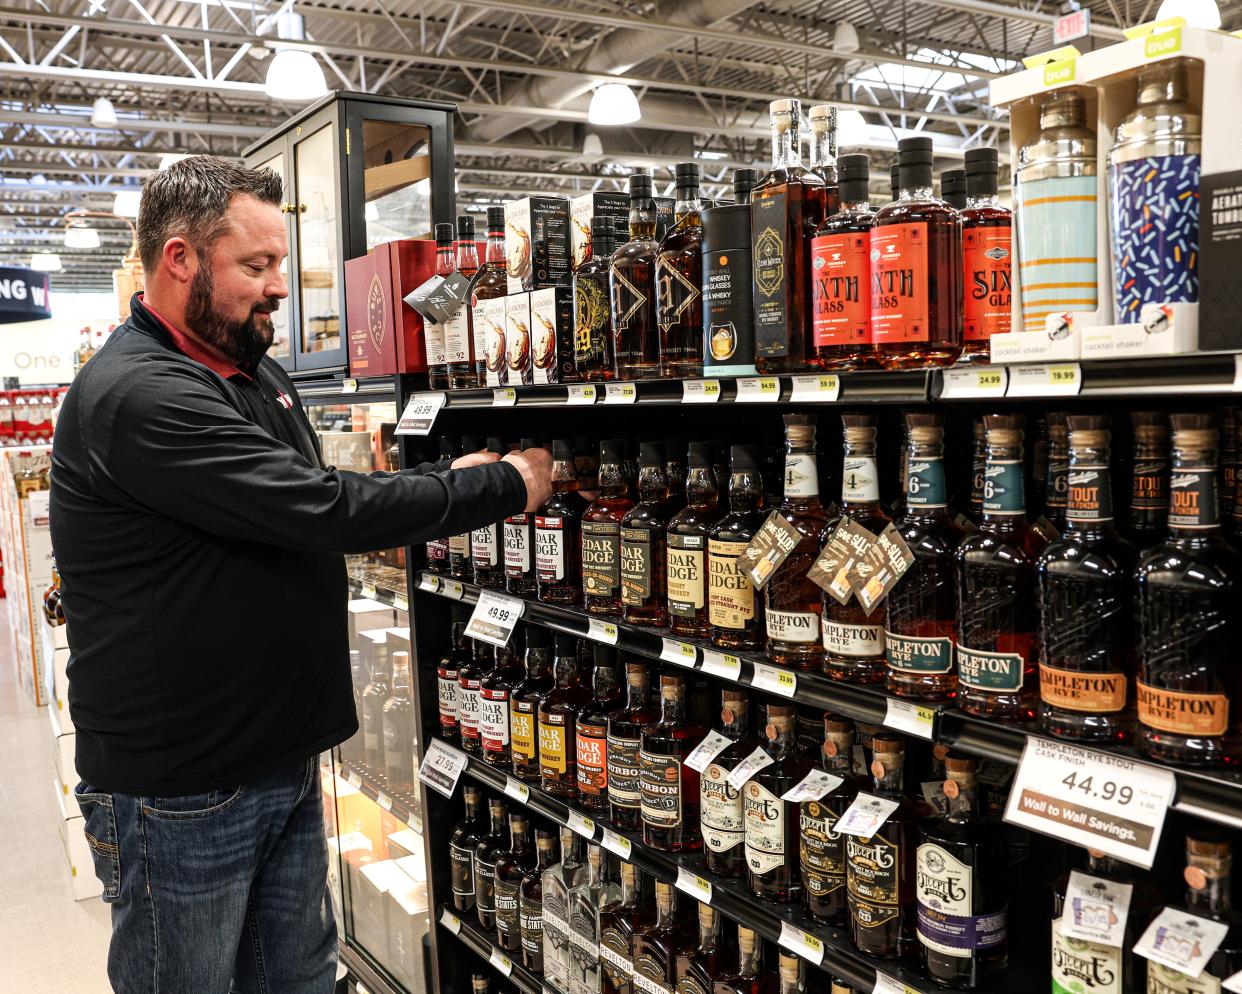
[187,346]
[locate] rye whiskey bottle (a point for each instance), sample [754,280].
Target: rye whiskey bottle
[524,701]
[1189,683]
[699,963]
[821,849]
[470,695]
[487,543]
[486,853]
[655,945]
[792,977]
[1086,632]
[987,231]
[558,532]
[448,675]
[785,210]
[643,544]
[559,709]
[749,977]
[511,867]
[530,901]
[997,630]
[687,538]
[592,732]
[495,717]
[772,822]
[460,563]
[963,889]
[519,535]
[625,728]
[922,609]
[1149,491]
[631,279]
[618,922]
[437,355]
[916,270]
[399,728]
[720,805]
[678,279]
[668,788]
[493,282]
[734,609]
[459,335]
[601,533]
[854,639]
[978,464]
[462,843]
[791,600]
[592,314]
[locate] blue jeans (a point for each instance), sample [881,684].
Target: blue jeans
[219,892]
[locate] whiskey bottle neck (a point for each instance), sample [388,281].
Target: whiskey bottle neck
[497,820]
[446,264]
[1089,489]
[701,486]
[1214,896]
[925,488]
[612,481]
[564,476]
[546,850]
[652,483]
[459,634]
[637,695]
[1193,497]
[565,670]
[496,247]
[745,491]
[860,479]
[467,256]
[823,147]
[642,220]
[786,142]
[519,837]
[604,682]
[1004,495]
[687,204]
[801,476]
[709,930]
[964,801]
[537,663]
[474,807]
[672,708]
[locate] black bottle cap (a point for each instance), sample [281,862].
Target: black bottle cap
[611,451]
[914,160]
[640,186]
[472,443]
[744,457]
[444,235]
[498,446]
[700,454]
[982,165]
[449,449]
[531,443]
[726,229]
[686,175]
[744,181]
[605,655]
[583,446]
[537,637]
[953,188]
[651,454]
[894,179]
[495,220]
[465,228]
[566,645]
[603,235]
[675,450]
[853,175]
[563,449]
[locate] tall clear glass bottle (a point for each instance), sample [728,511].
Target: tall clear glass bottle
[686,540]
[750,976]
[668,788]
[772,823]
[656,945]
[558,880]
[601,533]
[636,331]
[643,555]
[618,921]
[592,313]
[734,607]
[679,281]
[558,532]
[593,891]
[625,728]
[720,804]
[701,960]
[822,119]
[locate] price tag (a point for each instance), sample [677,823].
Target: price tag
[494,617]
[984,381]
[775,679]
[400,603]
[1061,380]
[602,631]
[429,582]
[884,984]
[500,961]
[581,824]
[722,664]
[353,780]
[707,750]
[700,391]
[865,816]
[420,414]
[517,790]
[1094,799]
[809,947]
[620,393]
[450,921]
[349,385]
[815,389]
[1237,373]
[813,786]
[911,718]
[681,653]
[504,396]
[1181,941]
[384,801]
[368,590]
[442,767]
[748,767]
[694,885]
[1233,983]
[617,844]
[758,390]
[452,589]
[1095,909]
[580,393]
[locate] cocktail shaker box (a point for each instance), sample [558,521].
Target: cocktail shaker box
[552,335]
[517,338]
[537,243]
[581,210]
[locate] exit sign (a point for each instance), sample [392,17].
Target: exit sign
[1075,24]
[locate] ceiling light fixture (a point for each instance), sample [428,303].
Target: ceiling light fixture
[126,203]
[614,104]
[592,146]
[1197,13]
[851,128]
[845,39]
[294,75]
[81,236]
[103,114]
[46,262]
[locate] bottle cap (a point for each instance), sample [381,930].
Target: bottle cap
[603,235]
[566,645]
[953,188]
[700,454]
[914,161]
[982,165]
[744,181]
[787,106]
[672,685]
[563,449]
[530,443]
[497,807]
[744,457]
[495,219]
[444,235]
[651,454]
[545,839]
[823,113]
[854,173]
[894,178]
[472,794]
[640,186]
[894,748]
[610,451]
[686,175]
[636,674]
[465,228]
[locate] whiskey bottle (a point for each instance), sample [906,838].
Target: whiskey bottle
[480,983]
[601,533]
[953,188]
[353,749]
[1228,475]
[399,728]
[854,638]
[433,334]
[495,724]
[962,885]
[922,610]
[592,892]
[618,921]
[678,279]
[687,534]
[643,544]
[448,674]
[987,233]
[655,946]
[721,818]
[997,630]
[821,848]
[1189,684]
[459,329]
[916,270]
[675,468]
[485,855]
[668,788]
[511,867]
[524,704]
[493,282]
[462,844]
[792,601]
[734,610]
[530,901]
[823,122]
[1086,635]
[841,275]
[558,880]
[749,977]
[558,532]
[486,552]
[978,464]
[592,732]
[469,695]
[880,869]
[1149,492]
[700,961]
[625,728]
[559,709]
[792,979]
[631,280]
[373,698]
[772,822]
[786,208]
[461,566]
[1056,492]
[592,314]
[586,462]
[519,532]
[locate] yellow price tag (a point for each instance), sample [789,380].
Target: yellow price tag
[368,590]
[1062,375]
[504,396]
[349,385]
[400,603]
[620,393]
[990,379]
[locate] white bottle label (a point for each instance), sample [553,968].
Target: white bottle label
[549,550]
[1082,967]
[449,696]
[801,476]
[853,640]
[433,336]
[860,481]
[457,337]
[721,810]
[484,549]
[793,626]
[494,721]
[765,828]
[469,703]
[517,550]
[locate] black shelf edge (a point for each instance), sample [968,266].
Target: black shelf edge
[375,786]
[389,596]
[357,964]
[482,946]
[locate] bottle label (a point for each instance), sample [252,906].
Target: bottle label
[854,641]
[470,707]
[461,866]
[1150,489]
[868,916]
[660,789]
[944,890]
[841,289]
[522,733]
[458,334]
[1003,487]
[792,626]
[447,693]
[549,549]
[677,298]
[988,257]
[437,551]
[765,828]
[484,549]
[552,750]
[582,936]
[821,848]
[630,306]
[649,975]
[484,884]
[591,320]
[1075,690]
[507,908]
[801,475]
[687,594]
[1165,980]
[517,548]
[530,920]
[1192,498]
[494,720]
[601,558]
[592,748]
[555,935]
[925,483]
[1089,494]
[623,772]
[1057,490]
[769,223]
[433,338]
[1082,967]
[690,985]
[614,952]
[635,566]
[860,481]
[899,309]
[918,654]
[998,672]
[1182,713]
[730,594]
[459,545]
[1056,247]
[728,322]
[723,825]
[872,869]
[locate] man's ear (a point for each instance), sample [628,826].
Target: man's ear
[180,259]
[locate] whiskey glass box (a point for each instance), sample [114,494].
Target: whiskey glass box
[537,243]
[582,210]
[552,335]
[489,328]
[517,339]
[384,333]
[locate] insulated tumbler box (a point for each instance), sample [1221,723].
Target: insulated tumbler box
[385,334]
[581,210]
[552,335]
[537,243]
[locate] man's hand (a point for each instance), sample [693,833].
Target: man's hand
[535,465]
[479,458]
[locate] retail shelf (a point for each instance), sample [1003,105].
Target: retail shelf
[362,968]
[482,945]
[375,786]
[383,584]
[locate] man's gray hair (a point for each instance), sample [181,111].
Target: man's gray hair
[191,198]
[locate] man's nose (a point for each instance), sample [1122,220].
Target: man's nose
[278,287]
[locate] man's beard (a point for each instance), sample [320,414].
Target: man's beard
[245,342]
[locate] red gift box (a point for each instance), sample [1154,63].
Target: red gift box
[385,333]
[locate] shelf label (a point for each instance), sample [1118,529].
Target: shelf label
[1060,380]
[368,590]
[420,414]
[442,767]
[965,384]
[415,823]
[775,679]
[813,786]
[1096,909]
[400,603]
[1233,983]
[694,885]
[429,582]
[758,390]
[884,984]
[349,385]
[602,631]
[504,396]
[617,844]
[452,589]
[494,618]
[681,653]
[620,393]
[707,750]
[450,921]
[911,718]
[581,824]
[500,961]
[579,394]
[722,664]
[809,947]
[865,816]
[353,779]
[1094,799]
[815,389]
[517,790]
[700,391]
[384,801]
[748,767]
[1181,941]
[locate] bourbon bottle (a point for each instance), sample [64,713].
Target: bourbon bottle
[470,695]
[433,334]
[625,728]
[438,548]
[631,279]
[460,562]
[978,464]
[448,675]
[524,704]
[821,848]
[618,921]
[493,282]
[486,853]
[668,788]
[699,962]
[679,279]
[592,732]
[559,709]
[656,945]
[987,231]
[749,977]
[530,901]
[495,718]
[487,543]
[601,533]
[643,544]
[1228,473]
[720,804]
[686,538]
[734,609]
[558,532]
[519,535]
[511,867]
[772,822]
[822,119]
[459,335]
[1149,490]
[592,313]
[1056,491]
[462,843]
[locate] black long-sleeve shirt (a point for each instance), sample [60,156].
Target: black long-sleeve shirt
[200,544]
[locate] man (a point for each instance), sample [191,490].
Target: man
[200,542]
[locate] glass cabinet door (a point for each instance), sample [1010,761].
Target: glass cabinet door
[320,295]
[282,349]
[396,171]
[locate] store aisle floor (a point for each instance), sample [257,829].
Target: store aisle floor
[49,943]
